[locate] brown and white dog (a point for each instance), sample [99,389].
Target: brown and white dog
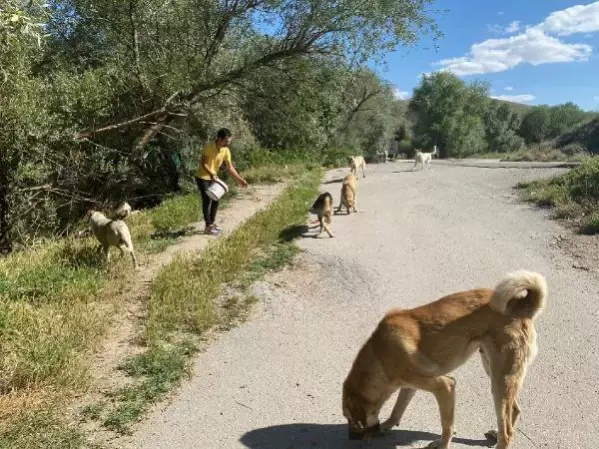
[415,349]
[348,194]
[323,208]
[112,233]
[355,163]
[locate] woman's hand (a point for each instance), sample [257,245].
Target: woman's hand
[243,183]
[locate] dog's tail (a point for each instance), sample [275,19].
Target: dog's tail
[521,293]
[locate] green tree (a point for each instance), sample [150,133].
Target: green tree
[564,117]
[501,128]
[450,114]
[536,125]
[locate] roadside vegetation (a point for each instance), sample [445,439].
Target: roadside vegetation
[195,294]
[573,196]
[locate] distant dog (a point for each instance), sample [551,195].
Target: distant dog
[112,233]
[123,211]
[416,349]
[424,158]
[355,163]
[348,194]
[323,208]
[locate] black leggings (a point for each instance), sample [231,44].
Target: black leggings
[209,206]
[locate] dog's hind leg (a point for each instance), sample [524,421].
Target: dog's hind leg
[326,228]
[505,392]
[129,249]
[403,400]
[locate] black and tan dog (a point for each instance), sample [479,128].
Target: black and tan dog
[348,194]
[415,349]
[323,208]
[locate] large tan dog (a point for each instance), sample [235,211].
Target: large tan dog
[355,163]
[323,208]
[415,349]
[348,194]
[112,233]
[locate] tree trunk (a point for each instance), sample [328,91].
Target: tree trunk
[5,240]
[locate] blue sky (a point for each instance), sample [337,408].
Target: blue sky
[531,51]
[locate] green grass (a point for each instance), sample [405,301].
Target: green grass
[156,372]
[56,302]
[573,195]
[184,298]
[183,292]
[543,155]
[41,429]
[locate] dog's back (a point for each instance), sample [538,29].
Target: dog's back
[323,206]
[110,232]
[348,190]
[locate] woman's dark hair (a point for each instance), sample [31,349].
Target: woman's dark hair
[222,133]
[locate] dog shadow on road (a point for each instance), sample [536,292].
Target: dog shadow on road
[334,181]
[334,436]
[293,232]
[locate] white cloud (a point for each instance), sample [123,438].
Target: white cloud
[400,94]
[500,13]
[509,88]
[513,27]
[495,29]
[536,45]
[577,19]
[596,98]
[532,47]
[523,98]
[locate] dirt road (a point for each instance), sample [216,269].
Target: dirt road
[275,382]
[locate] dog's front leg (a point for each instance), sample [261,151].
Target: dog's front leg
[443,387]
[403,400]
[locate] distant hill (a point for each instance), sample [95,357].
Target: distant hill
[519,108]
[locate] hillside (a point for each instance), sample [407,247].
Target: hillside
[520,108]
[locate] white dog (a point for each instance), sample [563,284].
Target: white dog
[355,163]
[424,158]
[112,233]
[123,211]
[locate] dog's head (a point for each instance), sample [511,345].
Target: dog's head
[92,214]
[362,416]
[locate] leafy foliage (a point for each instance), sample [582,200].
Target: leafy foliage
[450,114]
[111,101]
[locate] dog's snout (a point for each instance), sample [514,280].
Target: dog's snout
[353,434]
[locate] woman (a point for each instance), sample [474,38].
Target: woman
[213,156]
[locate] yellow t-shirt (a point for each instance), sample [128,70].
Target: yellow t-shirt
[214,159]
